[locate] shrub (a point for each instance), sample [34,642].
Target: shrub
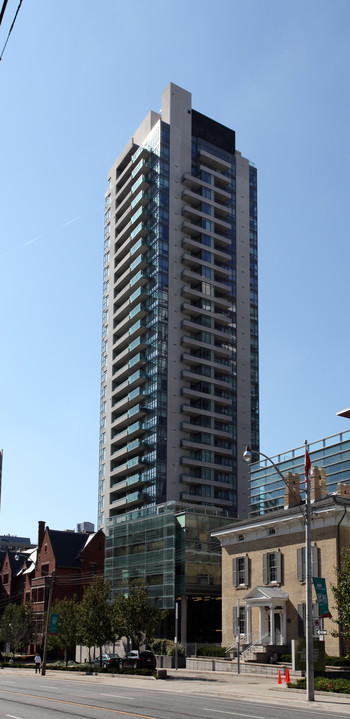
[166,647]
[212,652]
[338,661]
[323,684]
[285,658]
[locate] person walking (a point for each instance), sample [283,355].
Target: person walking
[37,662]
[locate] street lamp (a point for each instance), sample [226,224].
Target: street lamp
[310,693]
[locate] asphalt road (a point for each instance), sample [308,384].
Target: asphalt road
[30,696]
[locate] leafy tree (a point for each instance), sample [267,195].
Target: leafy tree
[341,593]
[95,625]
[137,615]
[17,626]
[67,634]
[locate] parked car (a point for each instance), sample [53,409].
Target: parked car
[139,660]
[108,660]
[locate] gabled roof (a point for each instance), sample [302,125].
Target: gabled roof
[67,546]
[267,595]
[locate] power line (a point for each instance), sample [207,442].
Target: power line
[3,10]
[12,25]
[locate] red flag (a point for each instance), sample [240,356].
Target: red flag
[307,465]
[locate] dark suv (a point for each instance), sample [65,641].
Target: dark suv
[139,660]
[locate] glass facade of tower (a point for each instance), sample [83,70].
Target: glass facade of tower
[330,453]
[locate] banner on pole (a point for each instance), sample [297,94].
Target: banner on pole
[321,593]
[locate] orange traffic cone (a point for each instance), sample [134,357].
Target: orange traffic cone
[279,678]
[287,677]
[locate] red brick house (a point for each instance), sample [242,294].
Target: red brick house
[15,566]
[70,560]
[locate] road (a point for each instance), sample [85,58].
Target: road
[55,696]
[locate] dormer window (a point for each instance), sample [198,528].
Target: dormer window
[240,537]
[272,531]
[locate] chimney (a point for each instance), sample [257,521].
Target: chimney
[318,484]
[343,490]
[41,532]
[292,490]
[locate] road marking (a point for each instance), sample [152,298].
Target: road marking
[78,704]
[239,714]
[12,716]
[115,696]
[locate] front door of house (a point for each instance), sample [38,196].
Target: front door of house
[278,628]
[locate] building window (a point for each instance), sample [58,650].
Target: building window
[92,569]
[302,618]
[239,621]
[240,571]
[272,568]
[301,563]
[6,579]
[44,570]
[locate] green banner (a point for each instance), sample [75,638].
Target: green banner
[53,626]
[321,593]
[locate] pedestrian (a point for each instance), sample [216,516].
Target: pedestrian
[37,662]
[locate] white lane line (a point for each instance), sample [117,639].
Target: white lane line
[116,696]
[12,716]
[239,714]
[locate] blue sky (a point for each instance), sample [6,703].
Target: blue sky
[77,77]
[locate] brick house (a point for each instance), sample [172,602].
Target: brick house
[71,560]
[14,564]
[263,565]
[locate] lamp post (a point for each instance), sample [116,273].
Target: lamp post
[310,693]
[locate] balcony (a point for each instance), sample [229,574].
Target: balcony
[212,161]
[197,342]
[195,230]
[192,212]
[195,182]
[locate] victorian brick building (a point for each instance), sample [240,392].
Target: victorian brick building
[67,560]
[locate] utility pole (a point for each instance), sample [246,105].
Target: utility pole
[310,694]
[52,581]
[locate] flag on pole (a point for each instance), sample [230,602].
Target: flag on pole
[307,465]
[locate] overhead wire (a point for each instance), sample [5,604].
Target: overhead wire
[3,10]
[12,25]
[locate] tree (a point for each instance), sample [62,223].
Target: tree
[17,626]
[95,625]
[67,634]
[137,615]
[341,593]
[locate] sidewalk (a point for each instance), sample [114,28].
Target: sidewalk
[259,688]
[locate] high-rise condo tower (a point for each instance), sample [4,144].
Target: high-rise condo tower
[179,383]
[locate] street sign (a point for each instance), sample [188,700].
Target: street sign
[321,632]
[53,626]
